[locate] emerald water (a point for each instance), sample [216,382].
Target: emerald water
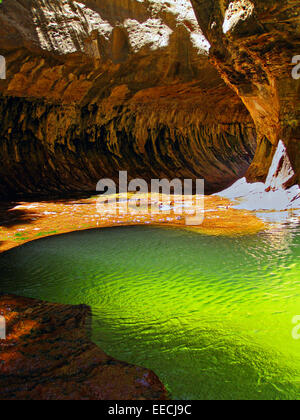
[212,316]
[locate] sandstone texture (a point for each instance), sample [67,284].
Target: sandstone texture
[98,86]
[47,355]
[253,44]
[159,88]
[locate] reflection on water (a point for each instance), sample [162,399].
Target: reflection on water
[212,316]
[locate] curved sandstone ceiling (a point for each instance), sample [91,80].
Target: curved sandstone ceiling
[98,86]
[253,46]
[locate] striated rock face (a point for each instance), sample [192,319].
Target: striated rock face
[97,86]
[47,356]
[50,147]
[252,45]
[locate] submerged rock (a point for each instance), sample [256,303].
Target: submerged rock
[47,355]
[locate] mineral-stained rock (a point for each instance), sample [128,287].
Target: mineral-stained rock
[50,147]
[254,44]
[146,86]
[95,86]
[47,355]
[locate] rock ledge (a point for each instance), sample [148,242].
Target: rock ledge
[48,356]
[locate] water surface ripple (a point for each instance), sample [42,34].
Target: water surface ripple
[212,316]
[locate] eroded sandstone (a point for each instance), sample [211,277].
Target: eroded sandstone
[97,86]
[149,86]
[47,355]
[252,45]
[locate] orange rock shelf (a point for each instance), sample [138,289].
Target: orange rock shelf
[47,355]
[27,221]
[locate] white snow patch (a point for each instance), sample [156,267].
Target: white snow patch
[270,195]
[281,170]
[291,217]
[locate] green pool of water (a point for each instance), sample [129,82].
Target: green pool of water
[212,316]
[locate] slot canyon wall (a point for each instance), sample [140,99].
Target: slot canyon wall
[253,44]
[97,86]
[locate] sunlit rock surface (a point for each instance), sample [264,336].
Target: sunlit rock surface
[47,356]
[26,221]
[253,43]
[101,85]
[159,88]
